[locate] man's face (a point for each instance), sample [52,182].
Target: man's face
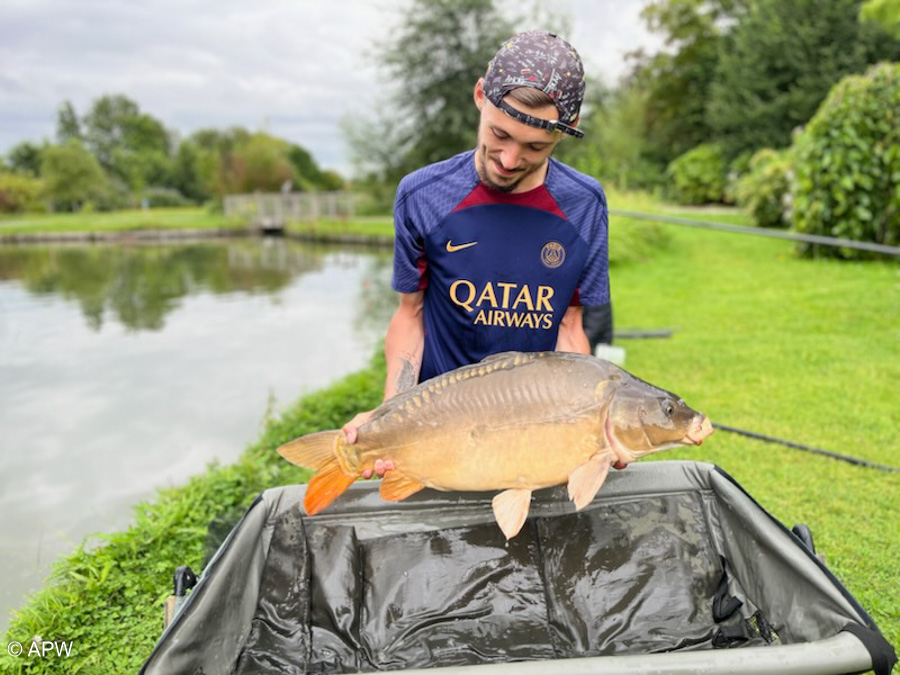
[512,156]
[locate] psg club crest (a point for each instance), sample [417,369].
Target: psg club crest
[553,254]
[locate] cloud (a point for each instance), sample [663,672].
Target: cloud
[293,68]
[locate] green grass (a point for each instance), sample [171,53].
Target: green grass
[381,226]
[633,243]
[807,350]
[643,203]
[116,221]
[799,349]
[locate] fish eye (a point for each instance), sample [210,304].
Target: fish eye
[668,408]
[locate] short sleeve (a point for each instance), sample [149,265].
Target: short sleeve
[408,246]
[593,286]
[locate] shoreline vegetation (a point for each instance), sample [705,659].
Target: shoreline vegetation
[763,340]
[627,244]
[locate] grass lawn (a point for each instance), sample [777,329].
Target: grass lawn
[807,350]
[116,221]
[370,226]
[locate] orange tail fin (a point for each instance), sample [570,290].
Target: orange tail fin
[318,452]
[325,487]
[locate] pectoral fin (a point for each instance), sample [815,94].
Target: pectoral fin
[511,509]
[396,486]
[587,478]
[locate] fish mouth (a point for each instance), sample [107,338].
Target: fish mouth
[700,429]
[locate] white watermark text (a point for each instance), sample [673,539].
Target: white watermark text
[43,649]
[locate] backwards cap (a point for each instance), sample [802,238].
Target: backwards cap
[544,61]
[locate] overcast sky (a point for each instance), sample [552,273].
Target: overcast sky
[291,67]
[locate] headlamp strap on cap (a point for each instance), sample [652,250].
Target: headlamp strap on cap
[530,120]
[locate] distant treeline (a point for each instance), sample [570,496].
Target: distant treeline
[116,156]
[777,105]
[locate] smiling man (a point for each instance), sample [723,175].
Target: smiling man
[497,249]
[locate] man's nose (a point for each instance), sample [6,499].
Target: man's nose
[509,158]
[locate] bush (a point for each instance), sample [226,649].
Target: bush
[165,197]
[848,162]
[18,193]
[764,190]
[71,176]
[698,176]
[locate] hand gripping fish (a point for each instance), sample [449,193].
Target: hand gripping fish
[515,422]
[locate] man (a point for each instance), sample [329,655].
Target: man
[497,249]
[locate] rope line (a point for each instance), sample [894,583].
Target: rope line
[808,448]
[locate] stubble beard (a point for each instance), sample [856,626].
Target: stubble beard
[481,167]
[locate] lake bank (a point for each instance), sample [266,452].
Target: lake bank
[163,225]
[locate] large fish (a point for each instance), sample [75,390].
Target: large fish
[515,422]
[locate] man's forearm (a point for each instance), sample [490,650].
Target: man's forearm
[404,345]
[571,337]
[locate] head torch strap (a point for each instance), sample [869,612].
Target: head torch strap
[530,120]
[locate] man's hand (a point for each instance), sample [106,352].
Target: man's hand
[350,429]
[350,433]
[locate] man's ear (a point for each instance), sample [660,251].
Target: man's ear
[478,94]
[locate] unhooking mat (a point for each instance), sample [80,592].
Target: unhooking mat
[671,557]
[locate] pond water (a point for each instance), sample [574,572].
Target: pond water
[124,369]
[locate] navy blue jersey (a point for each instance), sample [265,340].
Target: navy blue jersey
[499,269]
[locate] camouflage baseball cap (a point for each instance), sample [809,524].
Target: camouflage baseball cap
[539,60]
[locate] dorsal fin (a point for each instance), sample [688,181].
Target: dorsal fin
[500,355]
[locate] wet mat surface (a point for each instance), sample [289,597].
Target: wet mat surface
[631,577]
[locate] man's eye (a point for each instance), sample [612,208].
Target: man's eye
[537,148]
[500,135]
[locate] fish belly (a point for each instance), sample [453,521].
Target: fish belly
[528,456]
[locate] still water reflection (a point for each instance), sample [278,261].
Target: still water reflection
[124,369]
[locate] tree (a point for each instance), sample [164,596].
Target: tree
[309,176]
[261,163]
[131,146]
[67,125]
[25,158]
[614,148]
[332,181]
[185,175]
[675,82]
[885,12]
[71,175]
[435,56]
[215,157]
[779,63]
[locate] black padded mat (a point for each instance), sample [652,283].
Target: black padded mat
[631,577]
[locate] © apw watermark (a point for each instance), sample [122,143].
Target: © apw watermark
[43,649]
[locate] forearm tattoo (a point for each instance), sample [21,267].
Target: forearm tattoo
[406,378]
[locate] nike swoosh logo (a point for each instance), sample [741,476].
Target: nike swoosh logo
[459,247]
